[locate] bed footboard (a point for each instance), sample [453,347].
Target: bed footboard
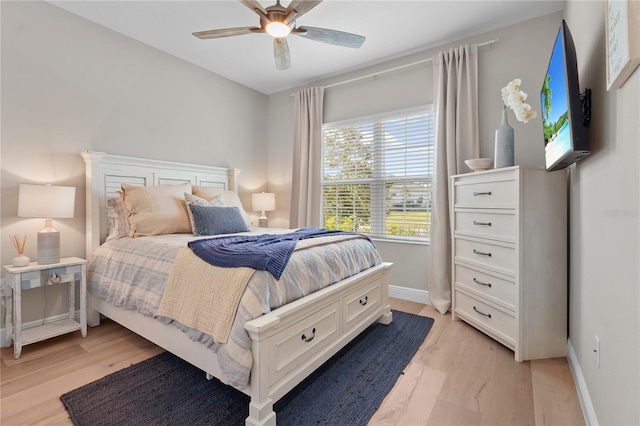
[291,342]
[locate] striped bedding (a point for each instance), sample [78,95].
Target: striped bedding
[132,272]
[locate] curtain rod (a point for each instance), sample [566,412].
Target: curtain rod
[375,74]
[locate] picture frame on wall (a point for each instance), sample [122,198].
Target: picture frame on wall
[622,26]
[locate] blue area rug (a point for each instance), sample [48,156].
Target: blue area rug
[164,390]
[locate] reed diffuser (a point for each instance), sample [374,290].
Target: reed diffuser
[21,259]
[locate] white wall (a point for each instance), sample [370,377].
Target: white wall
[522,52]
[605,231]
[70,85]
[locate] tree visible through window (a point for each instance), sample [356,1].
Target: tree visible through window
[377,174]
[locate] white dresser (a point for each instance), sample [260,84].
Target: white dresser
[509,230]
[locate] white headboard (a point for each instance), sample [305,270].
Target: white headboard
[105,173]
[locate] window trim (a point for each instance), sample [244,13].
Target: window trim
[380,115]
[387,115]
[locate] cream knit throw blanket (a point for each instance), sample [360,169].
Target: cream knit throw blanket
[203,296]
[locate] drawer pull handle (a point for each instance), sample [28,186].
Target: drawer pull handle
[366,300]
[308,339]
[55,279]
[481,253]
[475,194]
[481,313]
[475,222]
[475,280]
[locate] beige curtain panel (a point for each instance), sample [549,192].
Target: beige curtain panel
[307,158]
[457,139]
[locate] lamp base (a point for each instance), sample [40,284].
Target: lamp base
[48,246]
[263,223]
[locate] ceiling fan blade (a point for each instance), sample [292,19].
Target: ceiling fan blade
[226,32]
[338,38]
[297,8]
[281,53]
[253,5]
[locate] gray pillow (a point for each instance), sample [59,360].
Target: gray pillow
[211,220]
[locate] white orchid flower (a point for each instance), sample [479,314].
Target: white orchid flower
[524,113]
[514,85]
[514,98]
[522,96]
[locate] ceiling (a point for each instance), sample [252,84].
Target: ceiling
[393,28]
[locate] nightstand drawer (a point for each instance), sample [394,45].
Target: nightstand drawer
[498,290]
[498,257]
[488,318]
[64,274]
[486,224]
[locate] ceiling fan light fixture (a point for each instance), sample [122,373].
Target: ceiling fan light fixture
[278,29]
[279,22]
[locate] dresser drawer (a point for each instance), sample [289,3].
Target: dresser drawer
[498,290]
[494,224]
[488,318]
[293,346]
[498,257]
[360,302]
[492,194]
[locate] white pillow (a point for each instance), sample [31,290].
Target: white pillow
[190,199]
[118,225]
[229,198]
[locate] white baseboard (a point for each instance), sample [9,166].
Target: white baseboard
[410,294]
[588,411]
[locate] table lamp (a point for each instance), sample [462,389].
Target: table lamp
[48,202]
[263,202]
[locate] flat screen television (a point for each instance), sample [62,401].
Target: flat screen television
[565,111]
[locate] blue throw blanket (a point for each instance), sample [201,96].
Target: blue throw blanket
[263,252]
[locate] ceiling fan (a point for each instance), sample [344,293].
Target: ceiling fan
[279,22]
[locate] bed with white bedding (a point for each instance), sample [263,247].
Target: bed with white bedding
[281,330]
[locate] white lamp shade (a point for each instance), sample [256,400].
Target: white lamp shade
[263,201]
[46,201]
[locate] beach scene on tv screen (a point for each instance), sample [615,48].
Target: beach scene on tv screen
[553,97]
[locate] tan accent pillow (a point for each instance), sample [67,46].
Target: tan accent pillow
[156,210]
[190,199]
[229,198]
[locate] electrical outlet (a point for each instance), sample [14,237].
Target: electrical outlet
[596,350]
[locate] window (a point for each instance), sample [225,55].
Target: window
[377,174]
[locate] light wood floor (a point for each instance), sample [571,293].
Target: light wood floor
[458,376]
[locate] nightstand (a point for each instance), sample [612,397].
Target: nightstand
[68,270]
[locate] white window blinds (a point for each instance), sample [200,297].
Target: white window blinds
[377,174]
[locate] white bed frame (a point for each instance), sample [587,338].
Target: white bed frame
[289,343]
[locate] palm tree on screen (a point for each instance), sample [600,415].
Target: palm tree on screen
[546,93]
